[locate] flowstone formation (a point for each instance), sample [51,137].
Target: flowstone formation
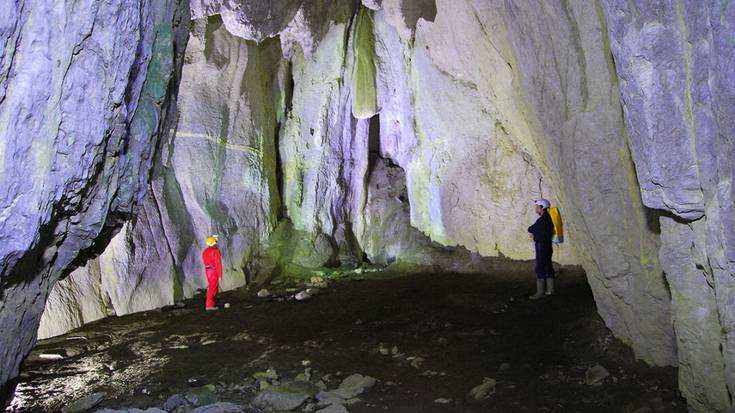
[85,93]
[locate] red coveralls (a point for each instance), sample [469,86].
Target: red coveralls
[213,267]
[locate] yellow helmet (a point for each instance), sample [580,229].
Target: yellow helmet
[211,240]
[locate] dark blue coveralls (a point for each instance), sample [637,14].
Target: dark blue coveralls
[543,231]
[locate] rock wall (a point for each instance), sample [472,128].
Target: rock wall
[85,91]
[216,175]
[674,60]
[510,110]
[292,152]
[569,85]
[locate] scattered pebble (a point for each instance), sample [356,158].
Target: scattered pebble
[317,282]
[280,399]
[383,350]
[484,390]
[354,385]
[201,396]
[178,346]
[415,362]
[269,374]
[595,375]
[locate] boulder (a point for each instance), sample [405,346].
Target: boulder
[354,385]
[595,375]
[483,390]
[201,396]
[220,408]
[278,398]
[84,404]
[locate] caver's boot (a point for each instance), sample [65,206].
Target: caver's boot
[539,290]
[550,286]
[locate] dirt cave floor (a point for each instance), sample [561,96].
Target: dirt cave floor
[428,340]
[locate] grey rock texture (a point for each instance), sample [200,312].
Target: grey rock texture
[279,399]
[512,110]
[85,91]
[84,404]
[677,81]
[466,173]
[220,408]
[388,236]
[252,20]
[76,300]
[216,176]
[572,102]
[323,148]
[466,156]
[478,108]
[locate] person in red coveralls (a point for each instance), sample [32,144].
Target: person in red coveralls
[213,268]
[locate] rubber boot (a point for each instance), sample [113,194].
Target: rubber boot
[550,286]
[539,290]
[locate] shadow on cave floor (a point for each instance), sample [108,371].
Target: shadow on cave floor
[444,333]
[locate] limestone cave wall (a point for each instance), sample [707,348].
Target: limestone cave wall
[86,90]
[674,62]
[314,134]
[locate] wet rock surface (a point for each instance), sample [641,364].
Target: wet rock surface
[483,345]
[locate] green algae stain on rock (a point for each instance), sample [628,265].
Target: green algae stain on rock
[145,121]
[162,61]
[364,98]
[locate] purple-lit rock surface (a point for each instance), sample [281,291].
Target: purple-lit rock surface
[479,107]
[675,63]
[217,176]
[85,91]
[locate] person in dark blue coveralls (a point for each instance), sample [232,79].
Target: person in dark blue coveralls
[543,230]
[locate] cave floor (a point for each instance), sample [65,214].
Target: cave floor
[443,334]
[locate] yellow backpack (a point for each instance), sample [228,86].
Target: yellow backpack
[558,237]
